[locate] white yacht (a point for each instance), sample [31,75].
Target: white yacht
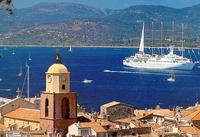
[147,61]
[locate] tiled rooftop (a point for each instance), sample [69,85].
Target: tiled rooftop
[25,114]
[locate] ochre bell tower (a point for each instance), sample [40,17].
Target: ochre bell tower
[58,104]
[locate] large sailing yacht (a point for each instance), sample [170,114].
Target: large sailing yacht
[147,61]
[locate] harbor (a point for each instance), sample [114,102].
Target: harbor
[104,67]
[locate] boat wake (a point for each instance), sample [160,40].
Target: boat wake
[8,89]
[85,81]
[133,72]
[141,72]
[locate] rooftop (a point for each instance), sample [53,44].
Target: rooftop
[110,104]
[190,130]
[95,126]
[163,112]
[57,69]
[113,103]
[25,114]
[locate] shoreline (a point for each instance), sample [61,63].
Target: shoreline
[75,46]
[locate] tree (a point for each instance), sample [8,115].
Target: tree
[6,5]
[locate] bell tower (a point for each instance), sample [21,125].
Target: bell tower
[58,104]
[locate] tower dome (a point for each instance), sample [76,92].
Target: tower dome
[57,69]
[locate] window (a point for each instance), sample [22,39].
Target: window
[63,87]
[65,108]
[85,132]
[46,107]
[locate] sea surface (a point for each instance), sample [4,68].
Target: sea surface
[111,80]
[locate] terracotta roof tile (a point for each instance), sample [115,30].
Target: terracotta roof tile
[190,130]
[95,126]
[163,112]
[25,114]
[110,104]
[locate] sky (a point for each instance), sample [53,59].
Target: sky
[113,4]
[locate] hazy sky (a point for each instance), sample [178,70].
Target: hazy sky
[114,4]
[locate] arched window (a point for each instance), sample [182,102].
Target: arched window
[46,107]
[65,108]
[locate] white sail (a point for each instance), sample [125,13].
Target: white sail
[142,41]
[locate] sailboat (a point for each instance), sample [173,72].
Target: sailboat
[147,61]
[70,49]
[13,52]
[20,72]
[29,58]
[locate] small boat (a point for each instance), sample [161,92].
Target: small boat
[13,52]
[70,49]
[29,58]
[172,78]
[87,81]
[106,70]
[20,72]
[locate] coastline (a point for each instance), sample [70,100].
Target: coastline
[78,46]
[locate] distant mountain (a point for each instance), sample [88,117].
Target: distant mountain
[67,23]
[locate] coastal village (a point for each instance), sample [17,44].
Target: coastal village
[57,114]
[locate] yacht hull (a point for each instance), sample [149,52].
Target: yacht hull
[159,65]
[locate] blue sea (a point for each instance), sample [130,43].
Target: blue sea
[111,80]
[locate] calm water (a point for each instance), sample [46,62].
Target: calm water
[139,88]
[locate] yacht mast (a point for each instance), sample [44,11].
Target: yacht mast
[173,31]
[161,35]
[152,42]
[28,78]
[182,38]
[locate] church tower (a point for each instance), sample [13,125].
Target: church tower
[58,105]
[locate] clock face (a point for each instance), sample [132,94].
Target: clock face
[49,78]
[63,78]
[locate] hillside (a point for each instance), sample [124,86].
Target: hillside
[67,23]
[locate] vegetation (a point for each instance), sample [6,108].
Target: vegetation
[76,24]
[6,5]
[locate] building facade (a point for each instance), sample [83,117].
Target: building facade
[23,119]
[116,110]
